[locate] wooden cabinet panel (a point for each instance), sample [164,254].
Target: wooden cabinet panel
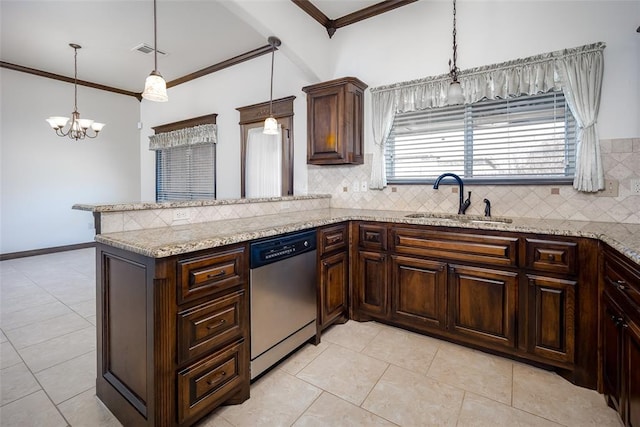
[611,352]
[631,347]
[334,122]
[482,303]
[621,279]
[333,288]
[331,239]
[209,382]
[207,275]
[202,328]
[372,237]
[372,283]
[551,318]
[551,255]
[475,248]
[419,292]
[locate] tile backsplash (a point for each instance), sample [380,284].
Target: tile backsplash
[621,161]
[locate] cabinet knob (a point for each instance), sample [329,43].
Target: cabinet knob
[550,257]
[622,285]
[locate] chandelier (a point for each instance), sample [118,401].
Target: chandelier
[78,128]
[271,124]
[155,88]
[454,94]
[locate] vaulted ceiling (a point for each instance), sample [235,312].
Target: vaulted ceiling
[195,35]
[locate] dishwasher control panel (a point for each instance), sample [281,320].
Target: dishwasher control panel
[275,249]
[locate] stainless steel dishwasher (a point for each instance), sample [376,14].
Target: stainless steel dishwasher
[283,297]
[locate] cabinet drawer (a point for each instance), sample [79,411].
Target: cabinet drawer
[551,255]
[202,328]
[372,236]
[332,239]
[622,279]
[198,277]
[494,250]
[208,383]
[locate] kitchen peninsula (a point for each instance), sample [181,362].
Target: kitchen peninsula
[181,290]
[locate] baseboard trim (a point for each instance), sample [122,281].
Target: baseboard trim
[44,251]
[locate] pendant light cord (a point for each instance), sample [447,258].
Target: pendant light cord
[75,79]
[273,52]
[155,38]
[454,69]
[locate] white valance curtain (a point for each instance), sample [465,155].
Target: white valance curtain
[201,134]
[577,72]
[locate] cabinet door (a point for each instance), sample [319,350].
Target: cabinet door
[371,283]
[333,288]
[611,352]
[631,373]
[551,305]
[419,292]
[482,305]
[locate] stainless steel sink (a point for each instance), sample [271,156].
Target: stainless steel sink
[475,219]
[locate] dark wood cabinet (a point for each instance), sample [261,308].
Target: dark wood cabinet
[335,122]
[620,331]
[333,275]
[419,293]
[172,334]
[373,284]
[551,316]
[483,304]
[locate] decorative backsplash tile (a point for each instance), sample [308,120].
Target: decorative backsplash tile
[621,161]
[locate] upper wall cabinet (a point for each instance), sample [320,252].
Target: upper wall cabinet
[334,122]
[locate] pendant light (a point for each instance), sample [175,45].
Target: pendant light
[271,124]
[78,127]
[155,88]
[454,94]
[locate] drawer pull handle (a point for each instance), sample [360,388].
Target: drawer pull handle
[220,322]
[333,239]
[218,274]
[212,382]
[622,285]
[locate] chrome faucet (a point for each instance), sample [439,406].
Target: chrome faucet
[463,205]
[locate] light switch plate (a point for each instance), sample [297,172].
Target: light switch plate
[611,187]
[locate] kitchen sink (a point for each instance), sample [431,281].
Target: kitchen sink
[474,219]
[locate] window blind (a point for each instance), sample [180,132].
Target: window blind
[186,172]
[529,138]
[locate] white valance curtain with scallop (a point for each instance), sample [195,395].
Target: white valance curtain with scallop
[195,135]
[577,72]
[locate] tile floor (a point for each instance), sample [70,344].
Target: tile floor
[363,374]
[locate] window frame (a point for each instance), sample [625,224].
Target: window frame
[468,153]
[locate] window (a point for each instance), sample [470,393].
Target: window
[518,140]
[186,172]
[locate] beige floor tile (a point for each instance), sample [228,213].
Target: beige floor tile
[85,308]
[32,315]
[277,399]
[92,320]
[57,350]
[8,355]
[473,371]
[74,292]
[70,378]
[214,420]
[17,382]
[410,399]
[405,349]
[3,337]
[352,335]
[345,373]
[86,410]
[478,411]
[34,410]
[35,298]
[548,395]
[329,410]
[301,358]
[38,332]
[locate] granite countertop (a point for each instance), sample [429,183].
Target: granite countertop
[167,241]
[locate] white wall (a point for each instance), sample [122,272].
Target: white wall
[415,41]
[43,175]
[222,92]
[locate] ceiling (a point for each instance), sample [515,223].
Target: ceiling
[194,34]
